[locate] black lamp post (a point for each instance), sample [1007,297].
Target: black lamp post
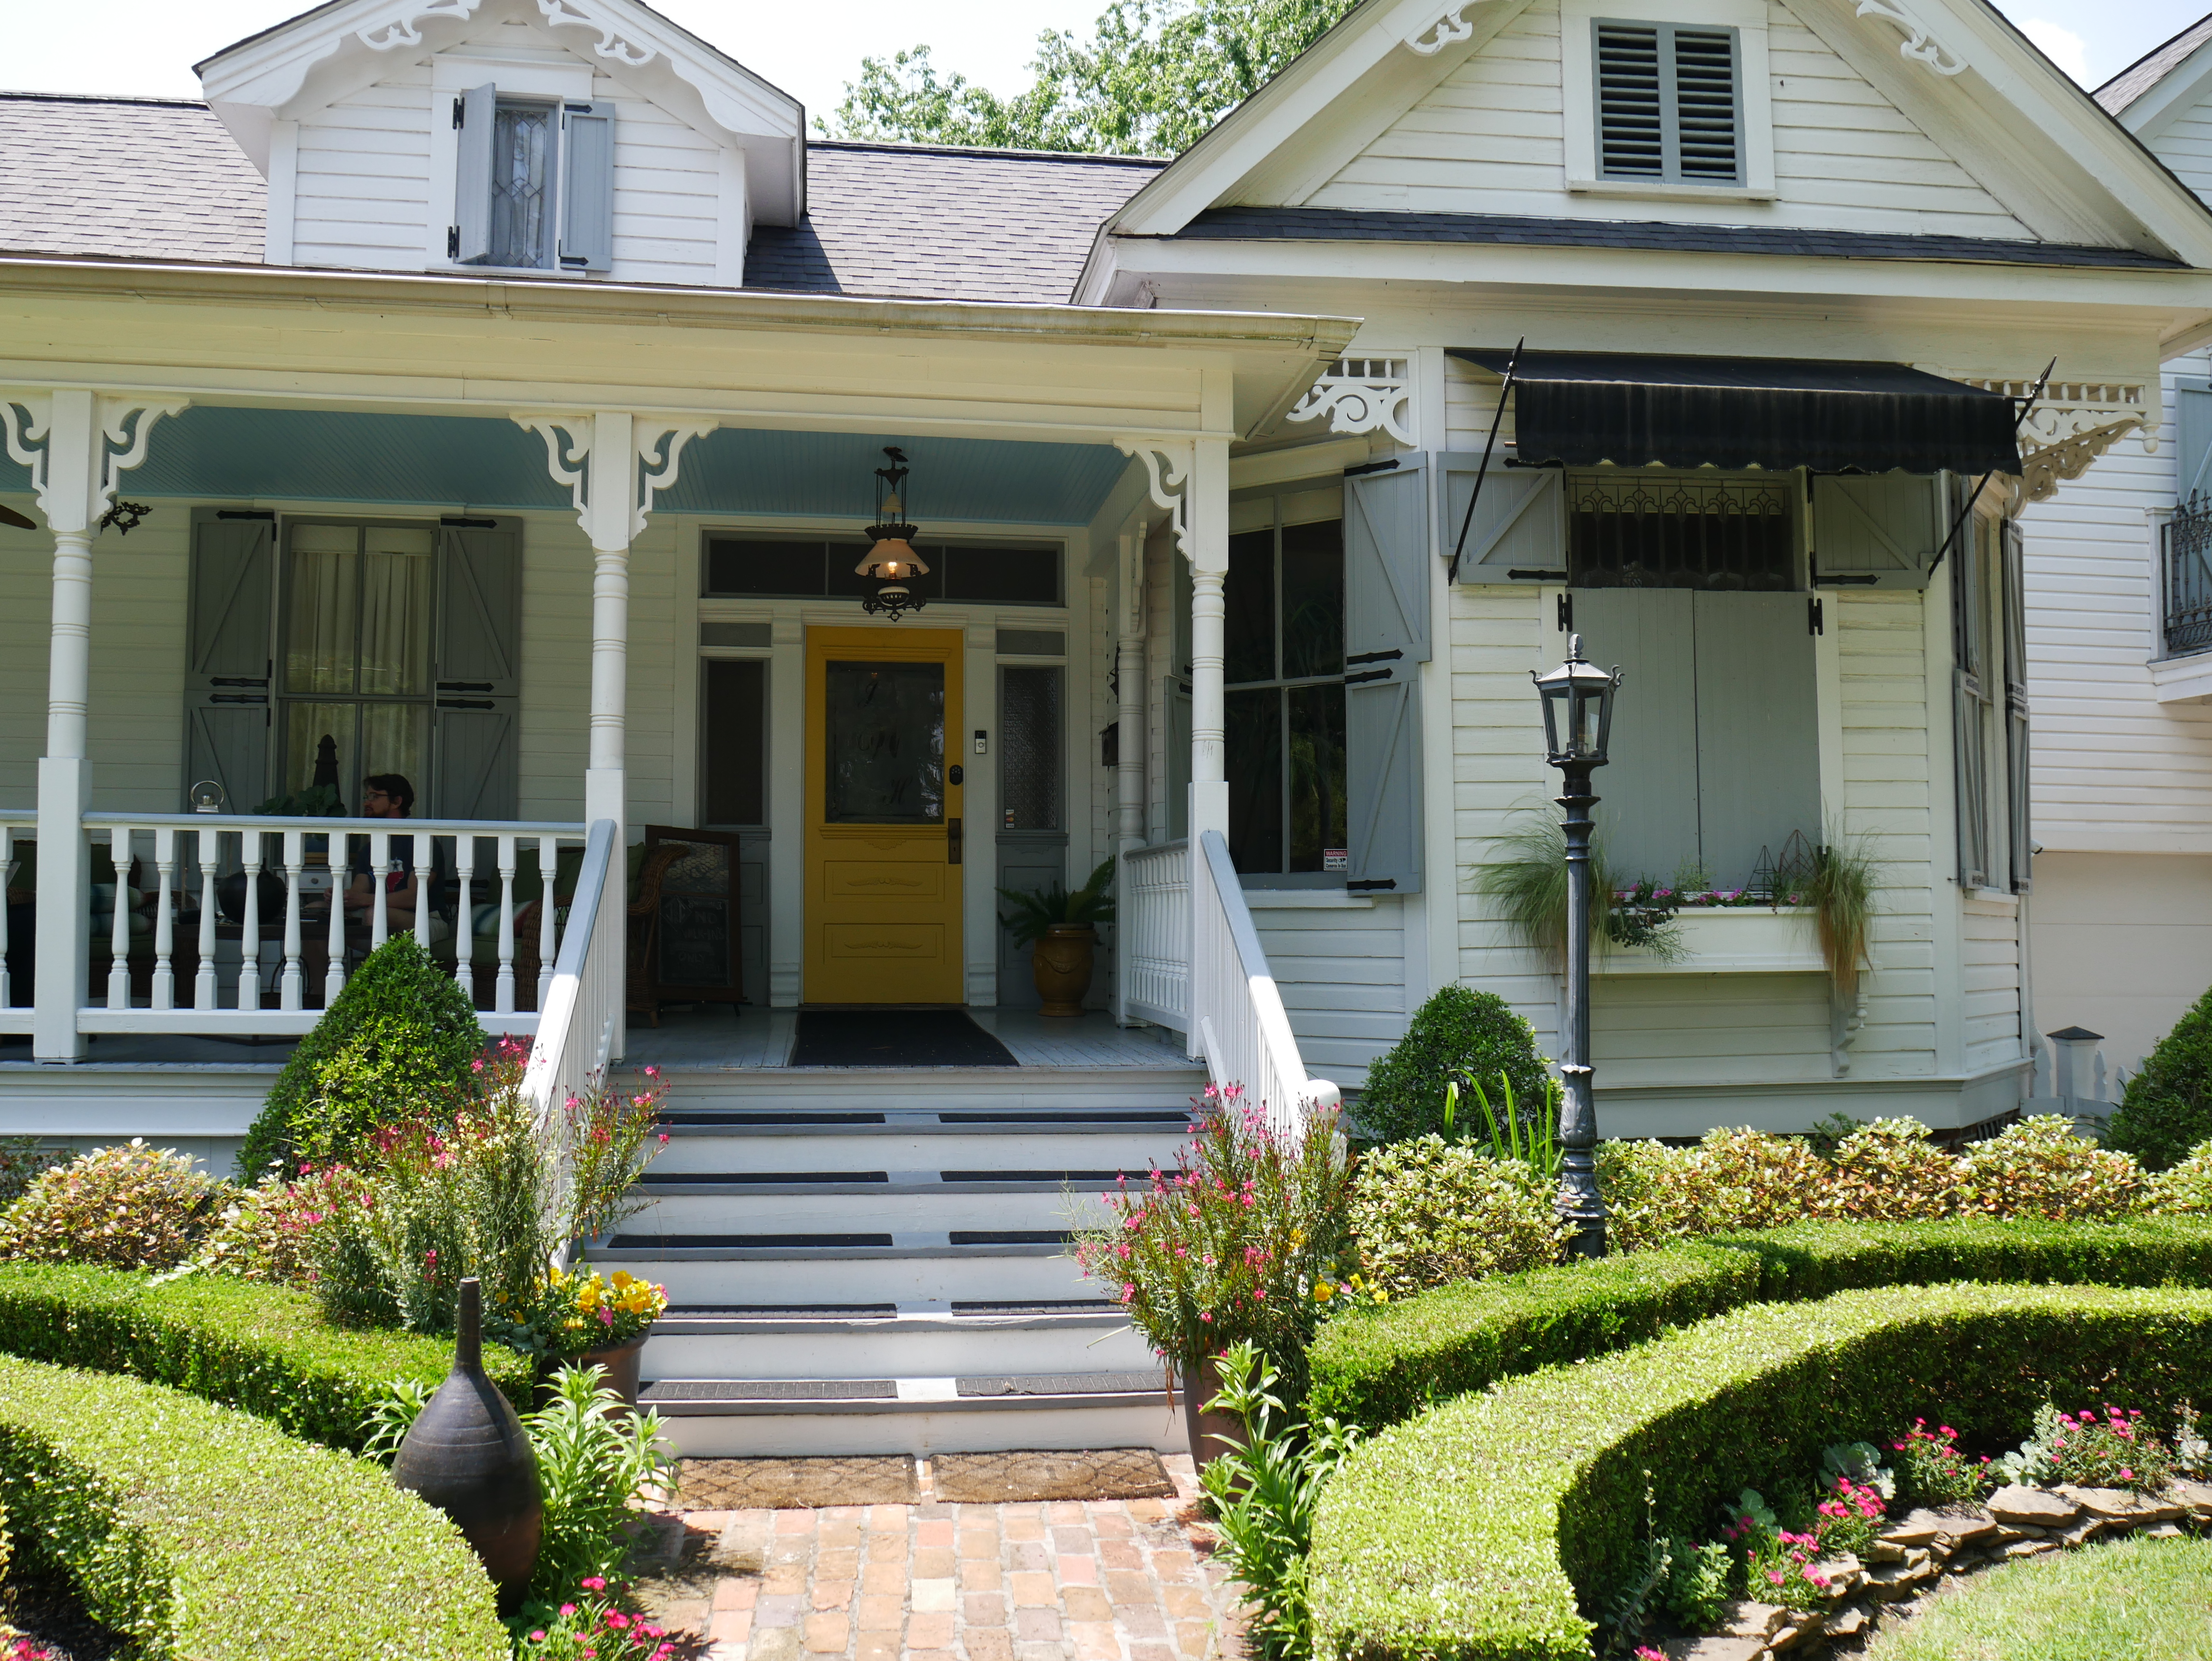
[1577,698]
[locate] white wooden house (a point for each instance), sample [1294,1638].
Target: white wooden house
[503,384]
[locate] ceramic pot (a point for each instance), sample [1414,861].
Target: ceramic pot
[619,1361]
[466,1453]
[1061,963]
[1207,1430]
[230,897]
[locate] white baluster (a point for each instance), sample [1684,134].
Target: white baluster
[379,864]
[465,919]
[292,989]
[549,859]
[209,849]
[7,837]
[249,934]
[503,991]
[424,854]
[119,932]
[164,921]
[334,973]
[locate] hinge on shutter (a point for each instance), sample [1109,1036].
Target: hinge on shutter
[1391,656]
[462,523]
[1365,675]
[453,241]
[1813,625]
[1566,614]
[1370,467]
[1379,882]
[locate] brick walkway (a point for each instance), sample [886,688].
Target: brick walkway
[1063,1580]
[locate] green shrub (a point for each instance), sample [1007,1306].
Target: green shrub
[1733,1178]
[264,1349]
[2039,1167]
[1458,1032]
[2137,1599]
[1428,1212]
[1372,1366]
[1891,1171]
[2167,1108]
[401,1034]
[1488,1527]
[2185,1189]
[207,1534]
[128,1206]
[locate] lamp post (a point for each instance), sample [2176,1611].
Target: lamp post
[1577,699]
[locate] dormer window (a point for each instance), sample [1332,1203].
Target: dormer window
[1668,106]
[533,184]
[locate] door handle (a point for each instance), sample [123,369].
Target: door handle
[953,840]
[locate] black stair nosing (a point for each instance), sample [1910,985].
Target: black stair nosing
[683,1117]
[1161,1117]
[679,1312]
[972,1236]
[964,1178]
[971,1310]
[608,1254]
[1036,1386]
[768,1390]
[681,1179]
[745,1242]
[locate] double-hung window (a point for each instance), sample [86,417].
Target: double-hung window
[533,183]
[1670,103]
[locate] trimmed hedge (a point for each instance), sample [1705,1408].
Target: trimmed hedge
[1375,1365]
[264,1349]
[1486,1528]
[205,1533]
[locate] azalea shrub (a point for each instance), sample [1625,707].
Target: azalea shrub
[1932,1471]
[1247,1237]
[126,1207]
[266,1233]
[1427,1212]
[2110,1449]
[591,1625]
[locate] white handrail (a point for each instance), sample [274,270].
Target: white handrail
[576,1021]
[1244,1030]
[1153,956]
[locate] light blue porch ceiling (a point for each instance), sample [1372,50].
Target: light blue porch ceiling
[213,453]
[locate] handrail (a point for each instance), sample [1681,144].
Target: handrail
[1242,1026]
[575,1022]
[316,824]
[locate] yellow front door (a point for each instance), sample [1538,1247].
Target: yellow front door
[883,817]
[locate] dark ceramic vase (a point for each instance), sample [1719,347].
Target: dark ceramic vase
[619,1363]
[1211,1433]
[467,1454]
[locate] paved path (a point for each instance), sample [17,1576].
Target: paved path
[1061,1581]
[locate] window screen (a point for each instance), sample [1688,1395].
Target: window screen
[1632,532]
[734,706]
[1668,107]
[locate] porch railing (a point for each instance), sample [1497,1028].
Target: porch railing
[1243,1031]
[2186,548]
[1154,935]
[578,1015]
[196,954]
[15,827]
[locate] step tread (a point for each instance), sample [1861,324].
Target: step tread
[977,1387]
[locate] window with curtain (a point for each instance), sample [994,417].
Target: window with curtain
[1284,598]
[355,690]
[1989,739]
[522,151]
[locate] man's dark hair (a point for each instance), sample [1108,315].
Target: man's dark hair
[395,786]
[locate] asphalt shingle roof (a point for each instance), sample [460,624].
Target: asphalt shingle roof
[1366,225]
[125,178]
[917,221]
[2153,66]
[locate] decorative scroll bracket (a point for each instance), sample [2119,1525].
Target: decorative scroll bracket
[567,435]
[2071,425]
[611,45]
[1362,395]
[653,449]
[124,422]
[656,470]
[1166,477]
[1447,28]
[405,28]
[1919,44]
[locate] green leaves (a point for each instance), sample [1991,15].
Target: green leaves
[592,1460]
[1458,1034]
[1153,77]
[1036,911]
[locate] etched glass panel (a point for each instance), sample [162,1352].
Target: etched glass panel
[884,732]
[522,185]
[1029,720]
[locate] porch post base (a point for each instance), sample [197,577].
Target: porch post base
[62,947]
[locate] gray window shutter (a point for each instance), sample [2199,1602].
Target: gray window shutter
[1881,531]
[1759,750]
[469,241]
[1647,810]
[2016,737]
[1386,634]
[587,187]
[2192,421]
[475,746]
[1969,754]
[1519,532]
[226,687]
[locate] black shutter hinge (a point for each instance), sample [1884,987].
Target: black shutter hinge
[453,241]
[1566,614]
[1365,675]
[460,113]
[1813,625]
[1391,656]
[1370,467]
[460,522]
[1379,882]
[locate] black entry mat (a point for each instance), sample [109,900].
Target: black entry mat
[895,1038]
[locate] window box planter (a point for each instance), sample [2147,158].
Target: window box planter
[1726,940]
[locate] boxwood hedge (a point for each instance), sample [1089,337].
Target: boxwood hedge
[205,1533]
[1488,1527]
[264,1349]
[1375,1365]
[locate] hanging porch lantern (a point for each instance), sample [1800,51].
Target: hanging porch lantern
[891,560]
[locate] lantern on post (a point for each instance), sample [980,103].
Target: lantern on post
[890,559]
[1578,700]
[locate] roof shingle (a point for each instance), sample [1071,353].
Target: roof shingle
[2152,67]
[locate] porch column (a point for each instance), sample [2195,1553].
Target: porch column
[1207,504]
[1130,675]
[77,445]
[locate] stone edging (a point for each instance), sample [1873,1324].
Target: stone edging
[1910,1555]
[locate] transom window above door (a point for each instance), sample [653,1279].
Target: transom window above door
[1629,529]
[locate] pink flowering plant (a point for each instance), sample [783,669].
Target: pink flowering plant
[2109,1448]
[1241,1239]
[1932,1471]
[589,1626]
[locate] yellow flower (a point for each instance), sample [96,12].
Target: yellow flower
[1380,1296]
[1297,1236]
[1323,1291]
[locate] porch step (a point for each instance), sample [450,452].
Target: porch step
[874,1259]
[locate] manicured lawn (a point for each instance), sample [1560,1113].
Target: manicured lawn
[2135,1600]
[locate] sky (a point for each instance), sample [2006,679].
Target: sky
[149,46]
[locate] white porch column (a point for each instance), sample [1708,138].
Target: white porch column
[77,445]
[1130,719]
[1208,498]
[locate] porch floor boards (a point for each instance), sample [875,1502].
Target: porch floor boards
[717,1038]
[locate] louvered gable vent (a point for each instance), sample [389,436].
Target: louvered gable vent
[1668,106]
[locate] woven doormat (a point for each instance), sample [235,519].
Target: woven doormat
[986,1479]
[797,1484]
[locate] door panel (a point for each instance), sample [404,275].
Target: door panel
[884,890]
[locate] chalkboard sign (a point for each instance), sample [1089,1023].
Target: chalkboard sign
[697,956]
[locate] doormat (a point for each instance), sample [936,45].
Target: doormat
[895,1038]
[796,1484]
[988,1479]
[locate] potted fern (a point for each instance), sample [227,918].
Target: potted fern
[1062,929]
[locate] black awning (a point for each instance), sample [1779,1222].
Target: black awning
[1639,410]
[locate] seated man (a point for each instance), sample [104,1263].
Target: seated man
[389,796]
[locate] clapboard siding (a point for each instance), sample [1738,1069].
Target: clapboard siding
[668,190]
[1490,139]
[1659,1030]
[1342,977]
[2185,146]
[1991,982]
[2111,764]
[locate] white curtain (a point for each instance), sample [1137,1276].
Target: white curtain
[397,568]
[320,637]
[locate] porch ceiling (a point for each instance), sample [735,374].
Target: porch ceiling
[216,452]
